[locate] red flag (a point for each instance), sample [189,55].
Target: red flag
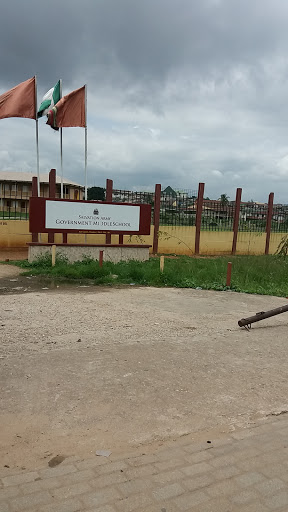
[69,111]
[19,101]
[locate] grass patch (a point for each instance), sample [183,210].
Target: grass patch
[267,275]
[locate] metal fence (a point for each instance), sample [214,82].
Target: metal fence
[14,199]
[14,202]
[253,217]
[130,196]
[217,215]
[280,218]
[178,208]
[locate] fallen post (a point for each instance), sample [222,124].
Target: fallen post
[246,322]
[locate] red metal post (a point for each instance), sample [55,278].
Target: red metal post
[157,203]
[236,219]
[101,258]
[109,190]
[64,238]
[52,184]
[229,271]
[199,216]
[269,221]
[52,194]
[121,239]
[34,194]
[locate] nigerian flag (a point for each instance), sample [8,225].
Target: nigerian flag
[49,100]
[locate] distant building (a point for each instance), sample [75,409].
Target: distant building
[168,191]
[16,189]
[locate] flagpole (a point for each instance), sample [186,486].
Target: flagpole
[85,142]
[37,139]
[85,150]
[61,147]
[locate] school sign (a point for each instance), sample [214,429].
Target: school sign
[58,215]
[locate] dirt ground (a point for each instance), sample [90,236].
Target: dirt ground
[92,368]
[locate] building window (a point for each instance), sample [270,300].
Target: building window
[8,203]
[23,205]
[65,190]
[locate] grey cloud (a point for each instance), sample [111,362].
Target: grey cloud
[208,77]
[136,41]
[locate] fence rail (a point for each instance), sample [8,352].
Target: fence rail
[14,200]
[169,207]
[177,208]
[14,203]
[130,196]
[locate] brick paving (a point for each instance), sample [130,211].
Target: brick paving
[247,472]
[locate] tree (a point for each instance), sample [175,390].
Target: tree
[96,194]
[224,199]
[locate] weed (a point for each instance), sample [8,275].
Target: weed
[267,275]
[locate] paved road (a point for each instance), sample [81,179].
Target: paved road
[247,472]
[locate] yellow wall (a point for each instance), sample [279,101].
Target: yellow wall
[216,242]
[14,233]
[181,240]
[252,243]
[275,241]
[141,239]
[176,240]
[172,239]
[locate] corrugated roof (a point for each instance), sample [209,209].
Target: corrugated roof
[27,177]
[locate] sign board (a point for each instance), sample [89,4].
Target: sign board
[58,215]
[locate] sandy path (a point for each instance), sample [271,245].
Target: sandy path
[151,364]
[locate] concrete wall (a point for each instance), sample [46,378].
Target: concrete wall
[172,239]
[74,253]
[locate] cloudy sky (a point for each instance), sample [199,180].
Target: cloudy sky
[179,91]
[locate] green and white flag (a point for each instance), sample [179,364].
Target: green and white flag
[49,100]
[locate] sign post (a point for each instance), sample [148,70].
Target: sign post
[50,215]
[58,215]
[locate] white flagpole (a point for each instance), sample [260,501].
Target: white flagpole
[37,139]
[85,142]
[61,147]
[85,150]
